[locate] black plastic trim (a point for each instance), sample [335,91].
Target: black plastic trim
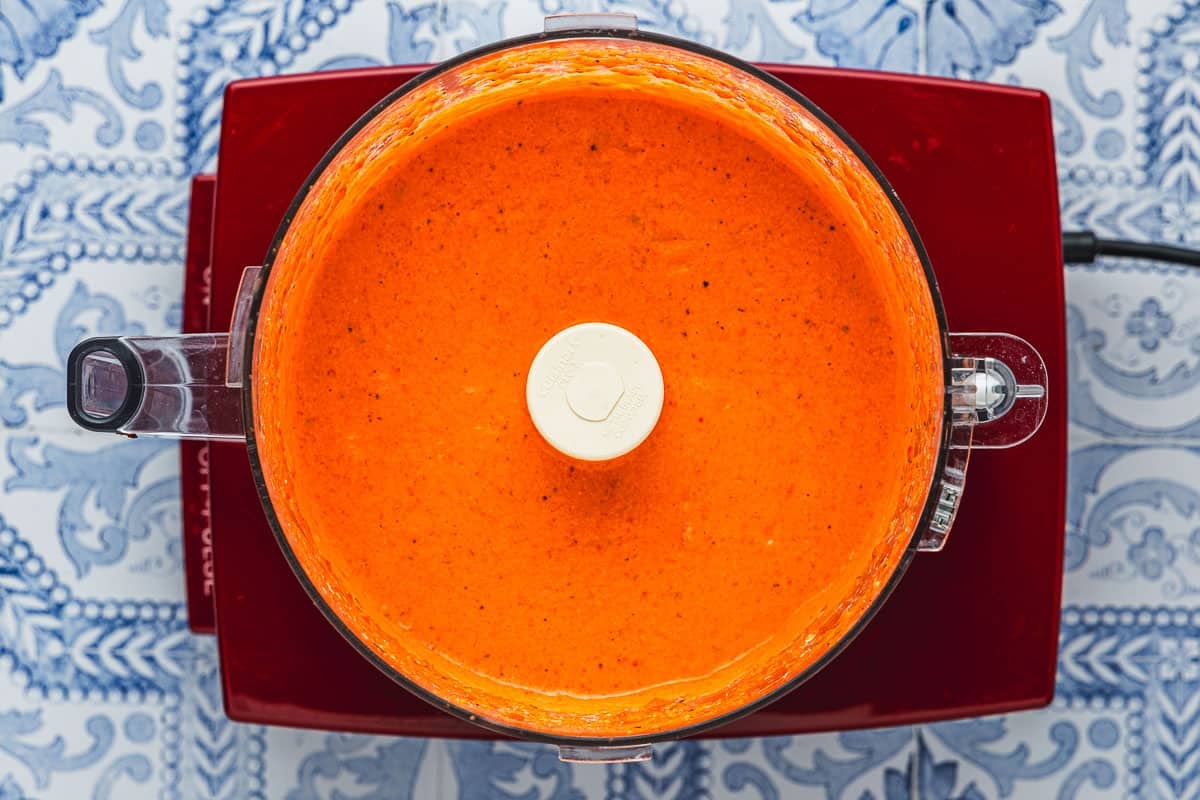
[135,382]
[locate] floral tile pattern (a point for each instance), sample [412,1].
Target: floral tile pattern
[107,107]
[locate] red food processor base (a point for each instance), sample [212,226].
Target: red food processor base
[970,630]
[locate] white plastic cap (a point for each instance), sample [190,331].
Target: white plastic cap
[594,391]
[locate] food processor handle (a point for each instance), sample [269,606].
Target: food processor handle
[178,387]
[171,386]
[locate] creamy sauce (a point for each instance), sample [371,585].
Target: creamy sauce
[730,550]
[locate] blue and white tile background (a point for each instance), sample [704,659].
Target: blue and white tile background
[106,106]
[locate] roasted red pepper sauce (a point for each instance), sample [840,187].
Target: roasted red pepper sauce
[768,274]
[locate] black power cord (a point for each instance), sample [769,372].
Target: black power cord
[1084,247]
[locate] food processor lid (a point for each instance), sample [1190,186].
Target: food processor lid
[642,381]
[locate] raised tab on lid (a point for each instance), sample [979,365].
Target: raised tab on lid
[594,391]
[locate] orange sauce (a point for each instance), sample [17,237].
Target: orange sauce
[486,211]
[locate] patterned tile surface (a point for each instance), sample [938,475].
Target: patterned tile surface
[107,107]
